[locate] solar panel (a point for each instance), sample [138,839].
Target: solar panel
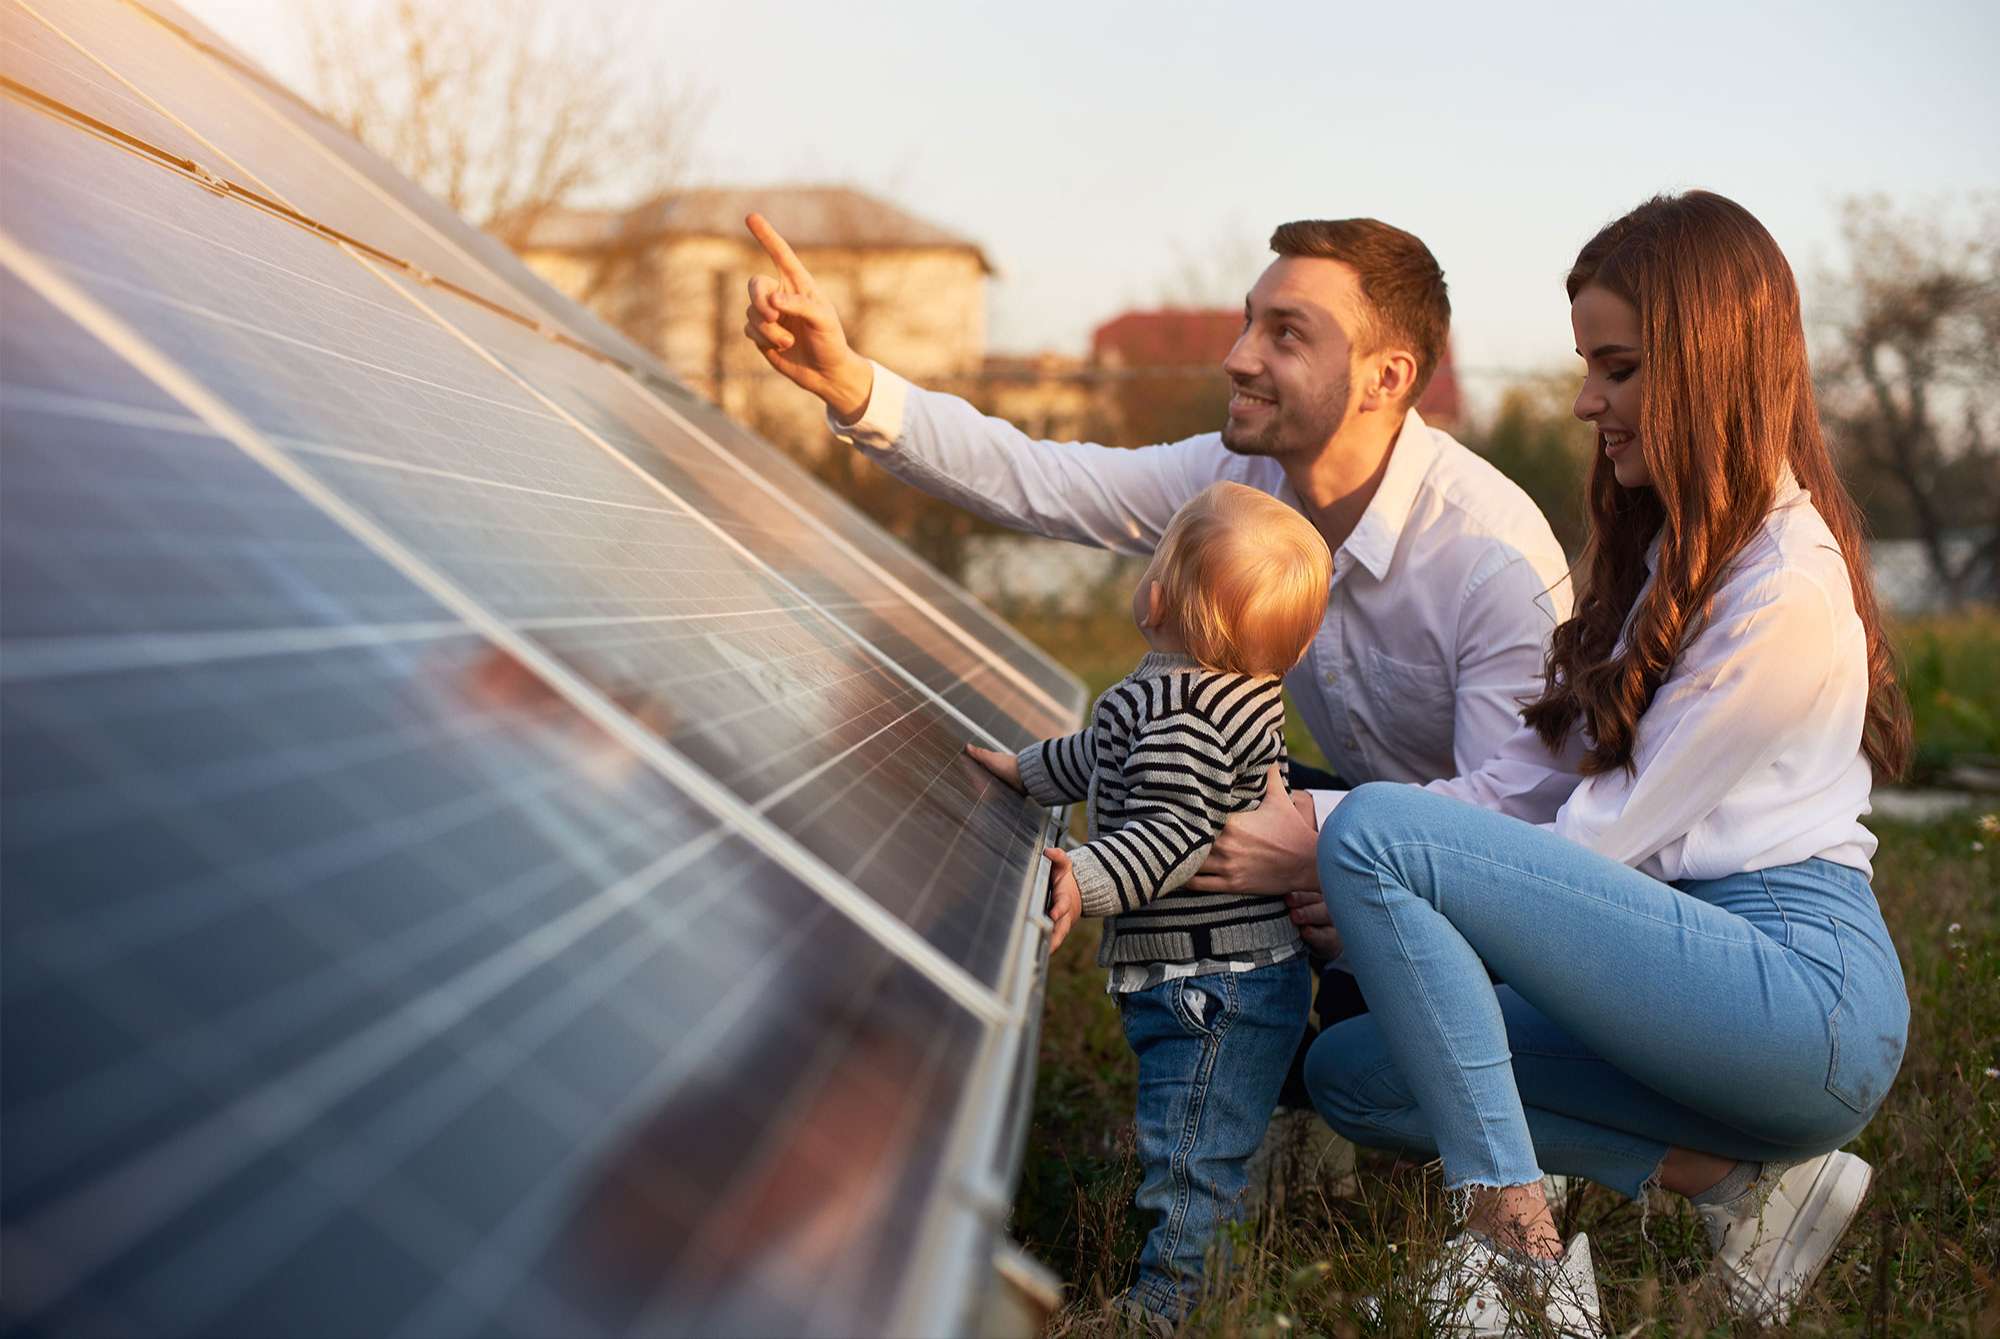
[486,846]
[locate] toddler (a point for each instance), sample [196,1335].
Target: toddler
[1212,988]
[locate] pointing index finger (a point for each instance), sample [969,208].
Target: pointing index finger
[780,252]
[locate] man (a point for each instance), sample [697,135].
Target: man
[1446,582]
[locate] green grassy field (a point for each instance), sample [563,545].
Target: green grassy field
[1924,1259]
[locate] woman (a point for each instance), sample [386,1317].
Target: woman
[1666,866]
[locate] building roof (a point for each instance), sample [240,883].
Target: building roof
[1180,337]
[1175,337]
[810,217]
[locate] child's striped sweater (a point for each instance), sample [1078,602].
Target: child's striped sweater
[1171,751]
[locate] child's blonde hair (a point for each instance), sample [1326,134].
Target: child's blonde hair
[1244,579]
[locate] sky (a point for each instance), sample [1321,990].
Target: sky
[1096,151]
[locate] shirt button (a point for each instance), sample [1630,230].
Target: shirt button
[1351,742]
[1333,676]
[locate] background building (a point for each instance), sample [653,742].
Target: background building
[673,273]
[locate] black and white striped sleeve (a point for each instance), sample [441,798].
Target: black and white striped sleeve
[1057,771]
[1178,778]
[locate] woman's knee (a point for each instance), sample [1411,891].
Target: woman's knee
[1351,1078]
[1360,837]
[1355,833]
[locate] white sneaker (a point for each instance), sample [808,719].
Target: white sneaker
[1772,1241]
[1481,1290]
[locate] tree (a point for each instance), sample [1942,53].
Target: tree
[1537,442]
[1909,374]
[504,109]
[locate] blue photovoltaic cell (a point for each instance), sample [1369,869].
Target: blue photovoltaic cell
[1053,684]
[339,947]
[617,411]
[547,529]
[361,974]
[389,213]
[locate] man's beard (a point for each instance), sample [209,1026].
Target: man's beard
[1287,431]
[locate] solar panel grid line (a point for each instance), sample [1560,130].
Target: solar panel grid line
[749,555]
[777,537]
[560,318]
[881,925]
[1032,884]
[63,657]
[534,315]
[927,607]
[982,1112]
[985,1192]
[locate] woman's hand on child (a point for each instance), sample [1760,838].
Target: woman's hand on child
[1003,765]
[1065,898]
[1315,922]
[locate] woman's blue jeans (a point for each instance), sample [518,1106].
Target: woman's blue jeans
[1759,1016]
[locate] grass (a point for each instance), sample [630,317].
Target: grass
[1951,668]
[1923,1259]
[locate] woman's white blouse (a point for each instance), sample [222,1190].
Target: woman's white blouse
[1750,754]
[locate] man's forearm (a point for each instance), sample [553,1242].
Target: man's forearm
[1075,491]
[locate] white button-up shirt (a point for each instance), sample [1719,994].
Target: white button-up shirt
[1750,754]
[1443,598]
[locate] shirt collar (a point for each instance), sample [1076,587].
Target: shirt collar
[1155,663]
[1373,543]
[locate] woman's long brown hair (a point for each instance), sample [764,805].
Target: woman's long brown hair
[1726,399]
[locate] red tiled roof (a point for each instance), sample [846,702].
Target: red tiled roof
[1172,338]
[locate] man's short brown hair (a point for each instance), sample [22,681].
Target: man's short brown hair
[1402,288]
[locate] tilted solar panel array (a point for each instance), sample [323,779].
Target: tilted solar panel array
[486,843]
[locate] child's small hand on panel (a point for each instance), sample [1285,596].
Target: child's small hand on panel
[1065,898]
[1003,765]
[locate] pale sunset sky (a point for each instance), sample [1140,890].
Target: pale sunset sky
[1097,150]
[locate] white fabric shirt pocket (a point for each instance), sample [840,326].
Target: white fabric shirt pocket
[1417,705]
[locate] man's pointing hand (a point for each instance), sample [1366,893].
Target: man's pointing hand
[799,333]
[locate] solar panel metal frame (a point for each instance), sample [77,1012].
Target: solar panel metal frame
[961,1218]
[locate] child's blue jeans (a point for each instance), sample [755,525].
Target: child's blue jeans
[1213,1052]
[1758,1016]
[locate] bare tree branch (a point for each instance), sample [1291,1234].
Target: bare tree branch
[506,109]
[1910,382]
